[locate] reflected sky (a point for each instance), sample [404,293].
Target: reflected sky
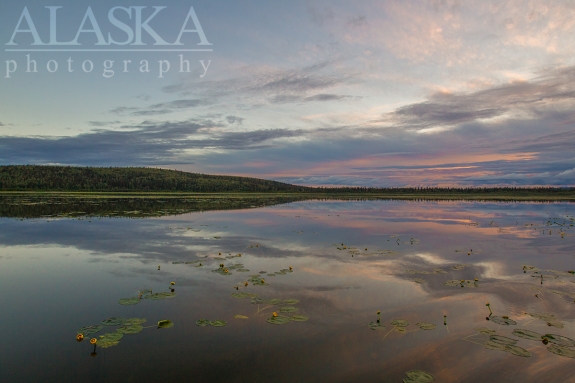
[58,275]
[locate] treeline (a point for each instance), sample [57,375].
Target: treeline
[91,179]
[431,191]
[98,179]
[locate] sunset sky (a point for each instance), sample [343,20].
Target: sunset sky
[364,93]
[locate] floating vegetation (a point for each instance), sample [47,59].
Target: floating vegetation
[299,318]
[129,301]
[527,334]
[548,318]
[502,340]
[158,296]
[485,331]
[426,326]
[222,270]
[257,301]
[290,302]
[131,329]
[110,339]
[258,281]
[288,309]
[243,270]
[203,322]
[562,351]
[89,330]
[459,267]
[218,323]
[238,316]
[560,340]
[400,323]
[518,351]
[503,320]
[165,323]
[419,280]
[376,326]
[113,321]
[418,376]
[278,319]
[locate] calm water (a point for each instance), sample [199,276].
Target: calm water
[58,275]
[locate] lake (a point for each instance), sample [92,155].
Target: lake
[325,268]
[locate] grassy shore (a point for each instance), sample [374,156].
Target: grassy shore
[524,195]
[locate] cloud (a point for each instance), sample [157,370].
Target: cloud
[258,84]
[235,120]
[160,108]
[141,144]
[103,123]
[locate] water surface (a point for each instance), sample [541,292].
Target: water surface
[349,260]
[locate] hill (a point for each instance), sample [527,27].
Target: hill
[92,179]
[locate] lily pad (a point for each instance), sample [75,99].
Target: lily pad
[560,340]
[89,330]
[518,351]
[288,309]
[280,319]
[132,321]
[110,337]
[491,345]
[158,296]
[485,331]
[113,321]
[400,323]
[376,326]
[274,301]
[502,321]
[426,326]
[458,267]
[257,301]
[562,351]
[527,334]
[242,270]
[165,323]
[218,323]
[132,329]
[129,301]
[203,322]
[502,340]
[418,376]
[240,317]
[299,318]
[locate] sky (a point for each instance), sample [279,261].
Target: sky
[325,93]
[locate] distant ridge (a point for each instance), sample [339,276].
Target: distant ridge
[94,179]
[44,178]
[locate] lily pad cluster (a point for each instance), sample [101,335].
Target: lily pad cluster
[146,294]
[125,327]
[214,323]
